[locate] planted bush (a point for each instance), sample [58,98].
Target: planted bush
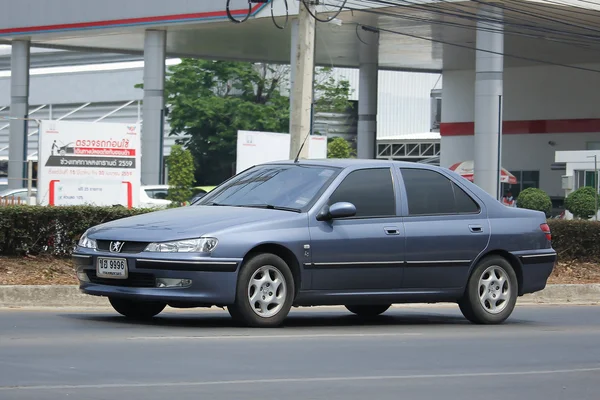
[535,199]
[576,239]
[582,202]
[51,230]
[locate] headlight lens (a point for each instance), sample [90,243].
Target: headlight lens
[86,242]
[201,245]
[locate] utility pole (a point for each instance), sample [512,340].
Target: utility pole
[303,65]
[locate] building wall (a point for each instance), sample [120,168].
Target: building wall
[404,102]
[541,93]
[530,93]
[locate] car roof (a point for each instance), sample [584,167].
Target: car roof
[350,162]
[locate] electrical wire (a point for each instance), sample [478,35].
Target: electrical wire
[340,9]
[587,45]
[358,35]
[475,17]
[232,18]
[287,15]
[450,11]
[531,59]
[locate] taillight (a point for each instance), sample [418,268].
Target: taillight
[546,229]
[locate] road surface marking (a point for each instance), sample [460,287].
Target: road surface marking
[298,380]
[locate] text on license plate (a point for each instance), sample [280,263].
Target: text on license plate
[112,268]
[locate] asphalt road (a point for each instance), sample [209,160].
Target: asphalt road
[408,353]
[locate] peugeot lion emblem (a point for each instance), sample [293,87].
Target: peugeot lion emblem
[115,247]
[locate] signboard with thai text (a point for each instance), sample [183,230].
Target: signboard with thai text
[84,163]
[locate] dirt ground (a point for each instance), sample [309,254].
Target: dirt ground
[54,271]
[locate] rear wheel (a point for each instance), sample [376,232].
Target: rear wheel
[491,293]
[264,293]
[368,310]
[139,310]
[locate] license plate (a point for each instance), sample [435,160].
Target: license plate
[115,268]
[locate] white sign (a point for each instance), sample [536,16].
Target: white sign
[255,148]
[83,163]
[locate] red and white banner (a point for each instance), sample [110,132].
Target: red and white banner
[84,163]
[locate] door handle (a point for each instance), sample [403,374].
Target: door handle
[476,228]
[391,230]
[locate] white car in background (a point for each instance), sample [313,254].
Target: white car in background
[17,196]
[154,196]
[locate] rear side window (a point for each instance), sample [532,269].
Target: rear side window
[431,193]
[370,190]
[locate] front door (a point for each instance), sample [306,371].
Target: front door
[365,251]
[446,229]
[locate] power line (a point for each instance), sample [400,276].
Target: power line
[580,44]
[375,29]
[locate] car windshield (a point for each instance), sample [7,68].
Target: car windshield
[293,187]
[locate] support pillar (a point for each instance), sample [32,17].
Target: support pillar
[302,77]
[19,109]
[153,107]
[489,67]
[367,95]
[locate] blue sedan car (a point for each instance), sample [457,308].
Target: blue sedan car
[365,234]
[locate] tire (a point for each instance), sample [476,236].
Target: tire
[491,293]
[138,310]
[368,310]
[266,308]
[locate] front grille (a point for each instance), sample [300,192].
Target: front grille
[135,279]
[128,247]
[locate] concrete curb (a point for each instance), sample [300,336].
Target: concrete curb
[69,296]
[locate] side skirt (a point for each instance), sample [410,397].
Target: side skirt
[334,298]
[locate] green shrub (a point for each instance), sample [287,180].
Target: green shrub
[181,175]
[582,202]
[51,230]
[339,148]
[535,199]
[576,239]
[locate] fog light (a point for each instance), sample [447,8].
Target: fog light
[82,276]
[170,282]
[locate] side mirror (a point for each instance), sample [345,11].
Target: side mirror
[337,210]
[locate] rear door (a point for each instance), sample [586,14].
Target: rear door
[364,252]
[446,229]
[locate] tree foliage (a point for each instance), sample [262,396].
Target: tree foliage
[339,147]
[582,202]
[331,95]
[181,175]
[535,199]
[208,102]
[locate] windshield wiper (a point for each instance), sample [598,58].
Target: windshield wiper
[271,207]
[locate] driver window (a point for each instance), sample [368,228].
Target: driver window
[370,190]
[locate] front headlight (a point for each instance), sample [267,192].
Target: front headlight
[86,242]
[201,245]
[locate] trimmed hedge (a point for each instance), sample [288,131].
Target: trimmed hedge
[51,230]
[576,239]
[55,231]
[535,199]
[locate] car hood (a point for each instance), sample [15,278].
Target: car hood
[184,223]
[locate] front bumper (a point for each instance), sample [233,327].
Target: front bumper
[213,281]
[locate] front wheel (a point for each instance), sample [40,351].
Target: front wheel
[139,310]
[491,293]
[264,293]
[368,310]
